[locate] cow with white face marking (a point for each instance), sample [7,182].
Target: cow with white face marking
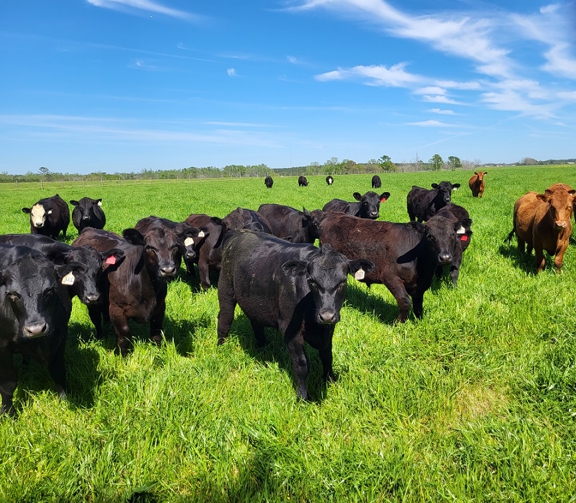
[88,213]
[49,217]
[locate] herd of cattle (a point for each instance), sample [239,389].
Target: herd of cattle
[122,278]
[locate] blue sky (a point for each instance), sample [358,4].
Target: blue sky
[126,85]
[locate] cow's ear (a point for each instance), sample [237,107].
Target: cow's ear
[475,172]
[357,196]
[434,185]
[384,196]
[360,267]
[99,202]
[27,210]
[112,258]
[294,267]
[68,273]
[133,236]
[455,186]
[73,202]
[56,255]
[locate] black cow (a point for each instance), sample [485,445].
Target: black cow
[302,181]
[137,287]
[242,218]
[376,182]
[88,213]
[296,288]
[291,224]
[329,180]
[424,203]
[368,205]
[268,181]
[406,256]
[87,281]
[188,237]
[34,311]
[49,216]
[208,249]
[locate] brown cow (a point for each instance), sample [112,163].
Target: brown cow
[477,183]
[542,222]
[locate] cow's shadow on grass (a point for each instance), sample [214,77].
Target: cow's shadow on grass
[275,352]
[523,261]
[368,301]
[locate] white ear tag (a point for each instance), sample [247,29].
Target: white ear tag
[188,242]
[201,234]
[69,279]
[99,203]
[461,230]
[359,274]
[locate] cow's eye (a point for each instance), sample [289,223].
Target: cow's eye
[49,293]
[341,286]
[151,249]
[312,284]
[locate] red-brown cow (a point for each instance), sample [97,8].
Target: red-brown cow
[542,222]
[477,183]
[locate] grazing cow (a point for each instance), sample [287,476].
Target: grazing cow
[329,180]
[268,181]
[406,256]
[34,311]
[49,216]
[208,249]
[424,203]
[137,287]
[291,224]
[542,222]
[296,288]
[477,183]
[241,218]
[87,281]
[88,213]
[302,181]
[188,237]
[376,182]
[368,205]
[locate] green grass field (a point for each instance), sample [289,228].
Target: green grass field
[476,402]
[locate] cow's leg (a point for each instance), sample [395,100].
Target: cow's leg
[156,324]
[8,382]
[95,313]
[559,257]
[121,328]
[227,301]
[258,333]
[204,274]
[57,370]
[398,290]
[454,273]
[299,361]
[417,305]
[540,259]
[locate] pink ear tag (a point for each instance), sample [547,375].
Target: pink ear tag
[464,237]
[383,199]
[111,260]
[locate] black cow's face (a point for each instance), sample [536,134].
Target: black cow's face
[369,204]
[445,190]
[162,249]
[86,207]
[444,236]
[32,286]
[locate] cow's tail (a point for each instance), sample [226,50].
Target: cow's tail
[510,236]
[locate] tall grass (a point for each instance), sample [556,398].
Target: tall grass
[475,402]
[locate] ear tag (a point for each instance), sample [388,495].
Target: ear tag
[69,279]
[111,260]
[383,199]
[200,234]
[189,241]
[359,275]
[464,237]
[49,212]
[99,203]
[461,230]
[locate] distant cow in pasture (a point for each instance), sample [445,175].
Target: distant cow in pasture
[329,180]
[88,213]
[188,237]
[296,288]
[137,287]
[302,181]
[34,312]
[49,216]
[87,280]
[208,249]
[477,183]
[268,181]
[368,205]
[406,255]
[291,224]
[543,222]
[376,182]
[424,203]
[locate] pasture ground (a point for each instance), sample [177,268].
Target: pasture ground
[476,402]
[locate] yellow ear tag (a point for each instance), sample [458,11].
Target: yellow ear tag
[69,279]
[188,242]
[359,274]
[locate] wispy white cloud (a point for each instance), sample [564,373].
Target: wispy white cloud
[376,75]
[441,111]
[428,123]
[143,5]
[231,72]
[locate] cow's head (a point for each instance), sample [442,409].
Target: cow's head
[445,190]
[325,273]
[86,207]
[370,203]
[162,249]
[561,203]
[38,214]
[444,235]
[480,174]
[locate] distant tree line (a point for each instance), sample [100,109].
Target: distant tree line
[332,166]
